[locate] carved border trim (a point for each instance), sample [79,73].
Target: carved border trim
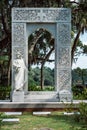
[41,15]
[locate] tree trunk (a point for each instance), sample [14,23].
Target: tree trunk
[42,67]
[9,71]
[42,77]
[75,44]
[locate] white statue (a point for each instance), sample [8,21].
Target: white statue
[19,72]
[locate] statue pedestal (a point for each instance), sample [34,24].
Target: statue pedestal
[65,96]
[18,96]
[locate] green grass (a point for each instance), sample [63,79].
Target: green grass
[55,121]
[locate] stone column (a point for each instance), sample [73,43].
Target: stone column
[19,47]
[63,61]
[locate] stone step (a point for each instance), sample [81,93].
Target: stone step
[41,113]
[71,113]
[15,120]
[13,113]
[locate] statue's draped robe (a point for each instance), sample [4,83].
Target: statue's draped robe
[20,68]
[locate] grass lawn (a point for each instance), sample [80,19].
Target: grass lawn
[55,121]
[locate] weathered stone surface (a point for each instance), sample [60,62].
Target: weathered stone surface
[41,113]
[15,120]
[60,20]
[18,96]
[39,106]
[13,113]
[65,95]
[41,15]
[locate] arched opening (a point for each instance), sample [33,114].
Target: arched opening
[41,60]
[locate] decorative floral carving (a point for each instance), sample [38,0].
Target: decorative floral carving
[64,57]
[40,14]
[64,33]
[64,79]
[18,34]
[26,14]
[19,49]
[56,15]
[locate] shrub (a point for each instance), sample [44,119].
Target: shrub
[79,92]
[0,119]
[49,88]
[82,117]
[5,92]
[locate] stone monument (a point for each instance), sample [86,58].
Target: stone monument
[58,22]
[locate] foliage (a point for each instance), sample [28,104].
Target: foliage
[34,79]
[5,92]
[39,44]
[38,88]
[79,116]
[0,119]
[77,89]
[34,88]
[49,88]
[82,117]
[79,79]
[83,96]
[79,92]
[79,76]
[83,112]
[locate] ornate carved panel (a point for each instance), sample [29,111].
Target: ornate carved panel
[56,15]
[26,14]
[64,79]
[64,34]
[41,15]
[21,50]
[18,34]
[64,57]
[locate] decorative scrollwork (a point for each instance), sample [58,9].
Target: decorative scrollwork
[21,50]
[56,15]
[26,14]
[18,34]
[40,14]
[64,79]
[64,57]
[64,33]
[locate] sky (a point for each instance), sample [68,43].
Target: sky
[82,60]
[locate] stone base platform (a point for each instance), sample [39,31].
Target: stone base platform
[38,106]
[17,96]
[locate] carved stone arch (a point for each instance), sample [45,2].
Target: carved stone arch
[58,22]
